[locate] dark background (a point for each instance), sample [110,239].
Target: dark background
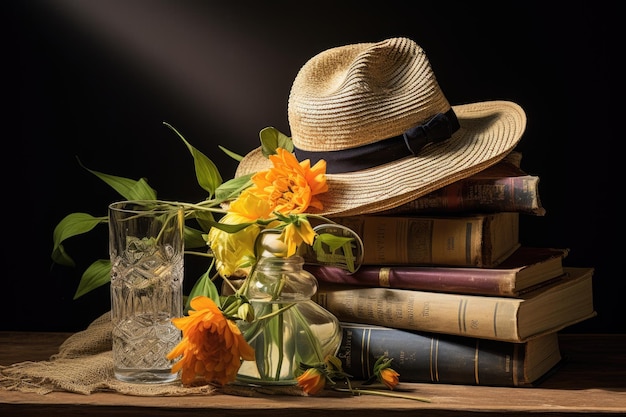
[95,80]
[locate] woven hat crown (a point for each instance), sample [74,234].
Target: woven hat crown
[358,94]
[376,114]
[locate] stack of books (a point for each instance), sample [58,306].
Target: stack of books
[449,293]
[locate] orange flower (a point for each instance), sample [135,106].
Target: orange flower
[389,377]
[312,381]
[291,186]
[212,346]
[384,374]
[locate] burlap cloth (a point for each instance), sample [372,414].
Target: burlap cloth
[84,365]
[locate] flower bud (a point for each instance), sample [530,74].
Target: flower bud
[246,312]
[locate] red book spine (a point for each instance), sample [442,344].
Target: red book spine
[461,280]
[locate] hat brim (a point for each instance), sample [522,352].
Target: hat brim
[489,131]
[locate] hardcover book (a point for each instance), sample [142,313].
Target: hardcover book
[547,309]
[525,269]
[500,187]
[438,358]
[472,240]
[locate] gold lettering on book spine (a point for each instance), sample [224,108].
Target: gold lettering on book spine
[383,277]
[434,357]
[476,358]
[365,359]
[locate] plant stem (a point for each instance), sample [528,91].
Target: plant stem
[359,391]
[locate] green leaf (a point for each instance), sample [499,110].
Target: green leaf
[231,228]
[205,219]
[127,188]
[193,238]
[232,188]
[272,138]
[326,247]
[98,274]
[61,257]
[71,225]
[203,286]
[232,154]
[333,242]
[207,174]
[140,191]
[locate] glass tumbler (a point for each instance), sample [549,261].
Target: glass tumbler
[146,249]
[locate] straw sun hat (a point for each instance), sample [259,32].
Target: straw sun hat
[370,109]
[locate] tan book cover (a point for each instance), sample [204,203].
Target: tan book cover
[476,240]
[547,309]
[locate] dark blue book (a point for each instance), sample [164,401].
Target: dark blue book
[447,359]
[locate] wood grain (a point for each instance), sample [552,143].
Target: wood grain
[591,382]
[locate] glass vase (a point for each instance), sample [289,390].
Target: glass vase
[290,328]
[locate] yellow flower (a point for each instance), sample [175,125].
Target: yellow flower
[297,231]
[389,377]
[250,206]
[290,186]
[212,346]
[312,381]
[234,252]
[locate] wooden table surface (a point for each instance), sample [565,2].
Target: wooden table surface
[591,382]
